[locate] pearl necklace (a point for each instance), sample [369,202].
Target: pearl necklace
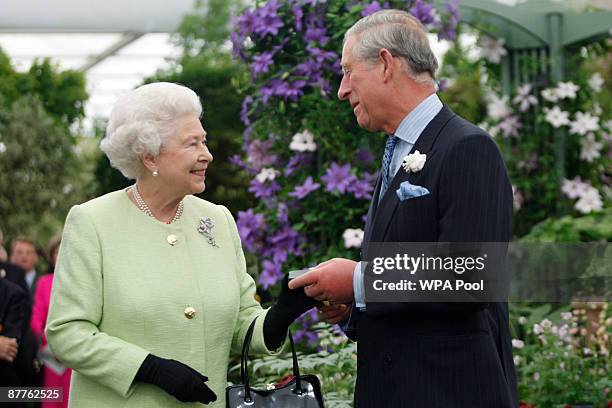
[145,208]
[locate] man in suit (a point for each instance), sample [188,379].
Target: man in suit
[13,303]
[25,256]
[419,354]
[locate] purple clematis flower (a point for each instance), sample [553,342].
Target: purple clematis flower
[302,191]
[283,242]
[371,8]
[449,30]
[282,213]
[305,332]
[423,11]
[265,189]
[316,34]
[250,228]
[338,178]
[321,55]
[363,188]
[244,111]
[246,23]
[238,46]
[298,14]
[364,156]
[236,160]
[296,162]
[442,85]
[258,153]
[261,63]
[271,273]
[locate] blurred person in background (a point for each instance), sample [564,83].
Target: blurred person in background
[3,254]
[13,304]
[24,256]
[54,374]
[151,291]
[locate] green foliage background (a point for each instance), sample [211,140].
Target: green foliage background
[41,171]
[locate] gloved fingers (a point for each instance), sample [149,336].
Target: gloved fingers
[205,394]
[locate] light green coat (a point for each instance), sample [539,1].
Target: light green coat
[120,293]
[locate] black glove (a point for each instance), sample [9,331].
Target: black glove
[291,304]
[177,379]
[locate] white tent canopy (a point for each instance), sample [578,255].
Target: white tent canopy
[117,43]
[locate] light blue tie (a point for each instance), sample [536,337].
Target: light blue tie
[386,164]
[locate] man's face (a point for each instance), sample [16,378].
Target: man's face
[362,86]
[24,255]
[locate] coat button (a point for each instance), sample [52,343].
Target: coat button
[388,359]
[190,312]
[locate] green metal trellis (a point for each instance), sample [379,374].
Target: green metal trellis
[538,35]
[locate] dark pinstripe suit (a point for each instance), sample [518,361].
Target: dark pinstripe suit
[440,354]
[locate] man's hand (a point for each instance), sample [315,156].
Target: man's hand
[8,349]
[333,314]
[330,281]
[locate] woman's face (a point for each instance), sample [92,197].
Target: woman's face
[182,163]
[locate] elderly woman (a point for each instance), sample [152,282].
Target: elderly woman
[151,290]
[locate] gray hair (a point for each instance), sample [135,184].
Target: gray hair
[400,33]
[143,120]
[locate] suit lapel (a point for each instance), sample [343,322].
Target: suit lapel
[379,218]
[372,210]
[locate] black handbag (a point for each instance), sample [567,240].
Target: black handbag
[303,391]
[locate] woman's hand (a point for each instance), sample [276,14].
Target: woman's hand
[177,379]
[291,304]
[294,302]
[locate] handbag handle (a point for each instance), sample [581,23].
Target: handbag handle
[244,375]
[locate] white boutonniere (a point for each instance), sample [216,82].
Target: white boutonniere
[414,162]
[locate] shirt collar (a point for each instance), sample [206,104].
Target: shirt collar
[411,127]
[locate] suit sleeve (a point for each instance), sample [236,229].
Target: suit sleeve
[75,312]
[17,304]
[249,308]
[475,193]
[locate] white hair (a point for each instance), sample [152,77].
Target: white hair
[400,33]
[143,120]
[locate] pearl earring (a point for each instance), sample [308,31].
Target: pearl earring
[155,173]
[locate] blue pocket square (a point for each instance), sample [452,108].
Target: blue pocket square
[408,191]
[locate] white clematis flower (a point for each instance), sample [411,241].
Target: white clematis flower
[550,95]
[589,148]
[523,98]
[492,49]
[589,202]
[567,90]
[556,117]
[497,108]
[352,237]
[596,82]
[303,142]
[584,123]
[265,174]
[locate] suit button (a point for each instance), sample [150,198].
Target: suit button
[190,312]
[388,359]
[361,361]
